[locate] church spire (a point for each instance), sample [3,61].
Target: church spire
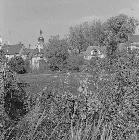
[41,39]
[40,32]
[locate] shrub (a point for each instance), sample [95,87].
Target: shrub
[18,65]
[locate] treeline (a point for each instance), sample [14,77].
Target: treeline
[64,54]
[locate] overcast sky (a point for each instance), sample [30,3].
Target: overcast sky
[21,20]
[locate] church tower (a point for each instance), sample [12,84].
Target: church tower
[40,41]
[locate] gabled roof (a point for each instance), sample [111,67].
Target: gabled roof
[134,38]
[26,51]
[12,49]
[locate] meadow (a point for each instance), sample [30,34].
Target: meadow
[38,82]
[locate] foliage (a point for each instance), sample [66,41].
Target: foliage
[13,99]
[27,66]
[2,57]
[117,30]
[57,53]
[110,33]
[75,63]
[120,27]
[83,35]
[18,64]
[85,106]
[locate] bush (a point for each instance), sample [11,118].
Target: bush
[18,65]
[75,63]
[57,53]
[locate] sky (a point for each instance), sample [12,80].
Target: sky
[21,20]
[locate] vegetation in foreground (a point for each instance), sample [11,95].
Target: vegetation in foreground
[102,105]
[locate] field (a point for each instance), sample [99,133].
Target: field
[38,82]
[55,116]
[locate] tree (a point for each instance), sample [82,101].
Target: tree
[117,30]
[3,115]
[12,98]
[17,64]
[57,53]
[85,34]
[120,27]
[75,63]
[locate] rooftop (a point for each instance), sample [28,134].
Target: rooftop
[102,49]
[12,49]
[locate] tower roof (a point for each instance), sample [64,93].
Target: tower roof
[41,39]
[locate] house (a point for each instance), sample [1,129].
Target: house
[95,51]
[134,42]
[12,50]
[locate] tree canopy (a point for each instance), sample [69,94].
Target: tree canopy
[85,34]
[18,64]
[57,53]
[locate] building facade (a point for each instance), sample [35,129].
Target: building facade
[95,51]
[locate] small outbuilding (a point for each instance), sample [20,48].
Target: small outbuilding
[95,51]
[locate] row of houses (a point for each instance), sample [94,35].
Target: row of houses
[33,55]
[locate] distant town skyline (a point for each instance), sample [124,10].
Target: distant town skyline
[21,20]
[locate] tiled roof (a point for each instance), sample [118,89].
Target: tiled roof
[33,52]
[12,49]
[26,51]
[20,49]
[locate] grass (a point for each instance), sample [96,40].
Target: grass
[39,82]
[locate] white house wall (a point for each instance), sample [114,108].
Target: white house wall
[35,62]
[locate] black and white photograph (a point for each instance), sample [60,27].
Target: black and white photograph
[69,69]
